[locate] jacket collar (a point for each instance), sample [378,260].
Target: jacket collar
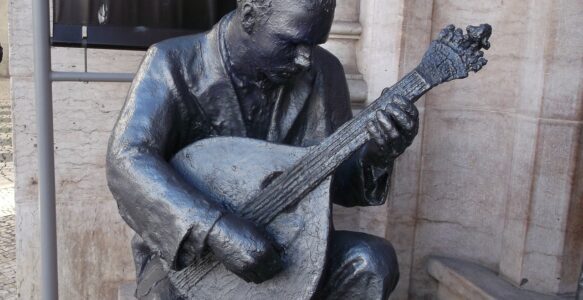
[219,100]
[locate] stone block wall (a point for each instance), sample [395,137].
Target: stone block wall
[494,175]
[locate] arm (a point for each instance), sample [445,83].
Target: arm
[154,201]
[175,220]
[363,180]
[392,130]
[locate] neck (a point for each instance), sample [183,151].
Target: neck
[240,52]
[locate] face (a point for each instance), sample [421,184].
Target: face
[284,43]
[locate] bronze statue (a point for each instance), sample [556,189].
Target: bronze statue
[232,144]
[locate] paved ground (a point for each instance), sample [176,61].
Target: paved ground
[7,242]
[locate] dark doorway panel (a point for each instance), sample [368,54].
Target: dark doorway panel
[132,24]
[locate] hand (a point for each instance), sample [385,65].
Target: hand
[243,249]
[392,130]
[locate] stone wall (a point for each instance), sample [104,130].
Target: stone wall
[494,176]
[495,173]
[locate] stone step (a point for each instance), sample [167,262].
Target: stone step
[460,280]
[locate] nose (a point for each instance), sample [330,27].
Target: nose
[303,57]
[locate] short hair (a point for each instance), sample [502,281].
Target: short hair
[262,4]
[326,5]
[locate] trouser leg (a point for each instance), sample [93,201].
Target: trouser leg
[359,266]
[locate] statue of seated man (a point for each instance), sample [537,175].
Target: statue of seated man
[259,73]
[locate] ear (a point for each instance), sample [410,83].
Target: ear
[248,17]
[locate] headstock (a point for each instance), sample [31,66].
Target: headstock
[454,54]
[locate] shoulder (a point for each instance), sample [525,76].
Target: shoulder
[174,57]
[181,42]
[178,47]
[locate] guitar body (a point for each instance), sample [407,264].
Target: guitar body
[231,171]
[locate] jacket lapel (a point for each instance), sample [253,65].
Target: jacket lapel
[215,91]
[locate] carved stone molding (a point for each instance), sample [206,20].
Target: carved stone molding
[342,42]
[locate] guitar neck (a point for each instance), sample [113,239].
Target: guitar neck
[321,161]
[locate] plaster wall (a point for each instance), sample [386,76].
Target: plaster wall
[495,177]
[495,173]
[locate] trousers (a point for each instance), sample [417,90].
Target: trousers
[359,266]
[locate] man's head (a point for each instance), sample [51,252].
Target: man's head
[282,33]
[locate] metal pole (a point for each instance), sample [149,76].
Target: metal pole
[92,77]
[46,165]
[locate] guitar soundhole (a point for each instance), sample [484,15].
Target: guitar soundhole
[270,178]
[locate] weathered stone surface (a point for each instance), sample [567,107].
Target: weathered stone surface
[93,249]
[510,184]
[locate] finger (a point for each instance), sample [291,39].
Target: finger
[401,119]
[410,108]
[375,134]
[406,106]
[387,125]
[397,140]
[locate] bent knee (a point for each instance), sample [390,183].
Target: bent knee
[370,255]
[377,257]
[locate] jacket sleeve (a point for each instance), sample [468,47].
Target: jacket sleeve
[354,183]
[154,201]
